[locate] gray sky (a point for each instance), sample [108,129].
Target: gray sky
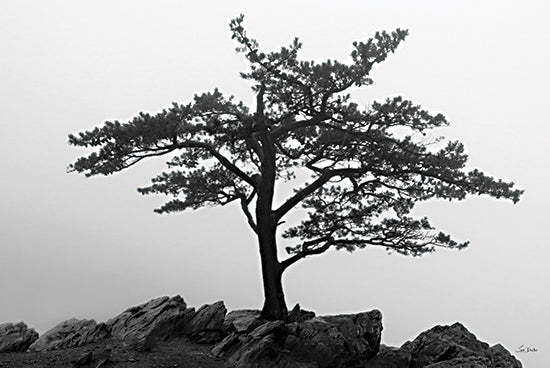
[89,248]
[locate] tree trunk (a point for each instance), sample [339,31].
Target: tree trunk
[272,271]
[274,303]
[266,225]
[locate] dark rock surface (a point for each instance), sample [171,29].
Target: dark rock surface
[501,358]
[297,314]
[442,343]
[331,341]
[71,333]
[469,362]
[317,340]
[241,321]
[206,324]
[158,319]
[447,343]
[390,357]
[445,347]
[362,332]
[16,337]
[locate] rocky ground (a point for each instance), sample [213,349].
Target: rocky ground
[174,353]
[165,332]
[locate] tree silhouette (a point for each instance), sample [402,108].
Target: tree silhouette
[368,167]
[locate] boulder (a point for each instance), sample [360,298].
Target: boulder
[69,334]
[442,343]
[448,346]
[16,337]
[206,324]
[332,341]
[145,324]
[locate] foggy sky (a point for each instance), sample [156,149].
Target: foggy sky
[89,248]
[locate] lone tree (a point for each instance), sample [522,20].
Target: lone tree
[368,167]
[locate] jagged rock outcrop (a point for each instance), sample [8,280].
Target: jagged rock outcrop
[69,334]
[445,347]
[141,326]
[442,343]
[331,341]
[162,318]
[156,320]
[445,343]
[206,324]
[16,337]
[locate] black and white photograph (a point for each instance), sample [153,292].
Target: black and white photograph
[259,184]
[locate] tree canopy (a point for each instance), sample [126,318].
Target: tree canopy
[368,167]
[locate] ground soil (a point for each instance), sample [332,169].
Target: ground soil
[174,353]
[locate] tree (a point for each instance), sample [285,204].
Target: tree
[368,167]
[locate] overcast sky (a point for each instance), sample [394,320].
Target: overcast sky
[89,248]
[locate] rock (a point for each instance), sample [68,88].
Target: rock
[156,320]
[241,321]
[95,358]
[352,341]
[85,359]
[260,348]
[258,352]
[229,345]
[299,315]
[501,358]
[332,341]
[206,325]
[209,317]
[16,337]
[452,345]
[362,332]
[442,343]
[317,340]
[390,357]
[104,359]
[69,334]
[268,328]
[469,362]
